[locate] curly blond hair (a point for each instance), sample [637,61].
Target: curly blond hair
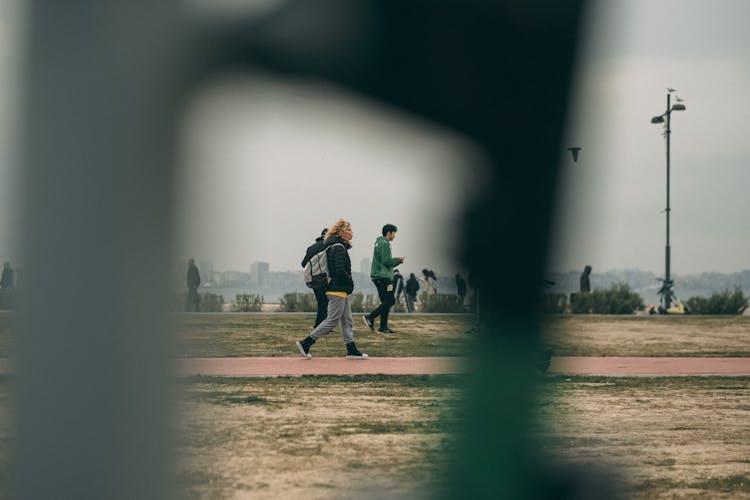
[338,227]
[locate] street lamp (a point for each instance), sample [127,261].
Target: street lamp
[666,289]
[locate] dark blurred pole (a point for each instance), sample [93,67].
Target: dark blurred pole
[498,73]
[92,409]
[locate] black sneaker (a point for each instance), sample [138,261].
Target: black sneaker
[385,330]
[368,322]
[304,346]
[353,353]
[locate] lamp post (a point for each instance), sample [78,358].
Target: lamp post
[666,289]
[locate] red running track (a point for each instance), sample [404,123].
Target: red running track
[579,365]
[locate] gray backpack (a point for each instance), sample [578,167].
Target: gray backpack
[316,269]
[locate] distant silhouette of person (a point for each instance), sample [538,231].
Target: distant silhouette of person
[320,292]
[381,273]
[398,286]
[7,279]
[193,282]
[412,287]
[460,291]
[430,282]
[585,283]
[477,316]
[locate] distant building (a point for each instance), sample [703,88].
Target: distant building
[258,272]
[364,266]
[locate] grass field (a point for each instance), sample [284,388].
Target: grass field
[315,437]
[275,334]
[327,437]
[218,335]
[594,335]
[666,437]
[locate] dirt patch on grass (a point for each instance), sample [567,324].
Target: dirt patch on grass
[315,437]
[667,437]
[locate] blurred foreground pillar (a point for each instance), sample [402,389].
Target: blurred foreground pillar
[92,408]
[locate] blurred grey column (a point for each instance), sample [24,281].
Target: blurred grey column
[92,407]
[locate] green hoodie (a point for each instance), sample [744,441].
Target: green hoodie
[382,262]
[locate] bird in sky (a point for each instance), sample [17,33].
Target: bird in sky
[574,152]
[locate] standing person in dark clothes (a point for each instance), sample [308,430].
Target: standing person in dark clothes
[381,273]
[193,281]
[320,292]
[460,291]
[585,284]
[398,285]
[412,287]
[6,281]
[341,286]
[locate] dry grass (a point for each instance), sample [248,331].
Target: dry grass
[668,437]
[586,335]
[272,334]
[315,437]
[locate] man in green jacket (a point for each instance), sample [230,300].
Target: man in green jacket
[381,273]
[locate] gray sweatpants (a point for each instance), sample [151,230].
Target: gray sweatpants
[339,310]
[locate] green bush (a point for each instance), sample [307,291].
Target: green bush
[617,299]
[725,302]
[246,302]
[298,302]
[211,302]
[439,303]
[554,303]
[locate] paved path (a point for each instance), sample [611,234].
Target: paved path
[615,366]
[260,367]
[603,366]
[665,366]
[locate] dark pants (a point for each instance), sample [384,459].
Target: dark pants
[386,302]
[193,300]
[322,299]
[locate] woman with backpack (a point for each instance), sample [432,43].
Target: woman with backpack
[340,287]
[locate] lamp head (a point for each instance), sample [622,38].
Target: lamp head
[678,107]
[657,119]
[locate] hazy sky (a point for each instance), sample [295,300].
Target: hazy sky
[266,163]
[613,196]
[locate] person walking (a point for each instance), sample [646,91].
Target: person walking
[337,244]
[412,287]
[398,286]
[430,282]
[320,292]
[381,273]
[193,282]
[460,291]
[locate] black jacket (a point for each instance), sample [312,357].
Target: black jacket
[313,249]
[460,286]
[412,286]
[339,265]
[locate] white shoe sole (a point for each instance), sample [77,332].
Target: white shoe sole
[364,356]
[368,325]
[305,355]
